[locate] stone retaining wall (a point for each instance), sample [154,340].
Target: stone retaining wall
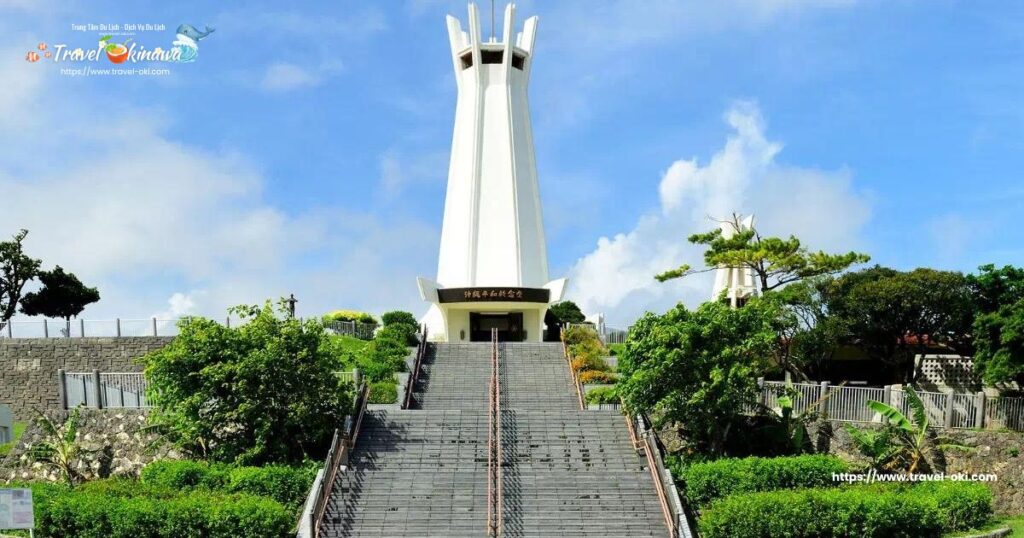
[116,442]
[28,366]
[997,452]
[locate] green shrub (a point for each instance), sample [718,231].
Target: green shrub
[399,332]
[602,395]
[577,334]
[705,482]
[383,392]
[399,317]
[113,509]
[287,485]
[349,315]
[874,511]
[596,376]
[184,474]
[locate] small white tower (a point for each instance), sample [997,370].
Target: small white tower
[493,267]
[737,282]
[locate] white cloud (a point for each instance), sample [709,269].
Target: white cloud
[399,169]
[151,220]
[280,77]
[283,76]
[818,206]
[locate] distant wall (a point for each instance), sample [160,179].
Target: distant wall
[28,366]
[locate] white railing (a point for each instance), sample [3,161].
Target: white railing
[102,390]
[849,404]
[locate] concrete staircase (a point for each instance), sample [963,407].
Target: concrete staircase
[567,472]
[423,472]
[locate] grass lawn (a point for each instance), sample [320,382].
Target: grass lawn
[1016,524]
[617,349]
[19,428]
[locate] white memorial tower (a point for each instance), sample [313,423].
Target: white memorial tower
[492,272]
[737,283]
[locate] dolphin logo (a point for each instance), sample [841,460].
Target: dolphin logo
[190,31]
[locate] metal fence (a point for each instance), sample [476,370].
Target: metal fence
[849,404]
[102,390]
[126,328]
[363,331]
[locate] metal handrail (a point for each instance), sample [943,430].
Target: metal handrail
[341,445]
[491,519]
[572,375]
[499,446]
[668,495]
[415,374]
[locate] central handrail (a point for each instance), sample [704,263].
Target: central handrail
[494,456]
[499,451]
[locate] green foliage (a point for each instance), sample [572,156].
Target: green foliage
[127,509]
[16,270]
[999,344]
[62,296]
[906,442]
[404,323]
[349,315]
[399,317]
[263,392]
[597,376]
[710,481]
[774,261]
[920,511]
[698,367]
[602,395]
[287,485]
[383,392]
[995,288]
[59,449]
[5,449]
[386,354]
[565,312]
[893,315]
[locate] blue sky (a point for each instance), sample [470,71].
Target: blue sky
[306,150]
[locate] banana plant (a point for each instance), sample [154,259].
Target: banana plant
[59,449]
[905,442]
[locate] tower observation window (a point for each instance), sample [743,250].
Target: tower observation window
[492,56]
[518,60]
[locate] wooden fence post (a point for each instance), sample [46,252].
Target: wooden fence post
[154,326]
[81,327]
[823,398]
[119,327]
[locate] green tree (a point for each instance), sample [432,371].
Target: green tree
[566,312]
[895,315]
[699,368]
[995,288]
[62,296]
[16,270]
[263,392]
[999,344]
[773,260]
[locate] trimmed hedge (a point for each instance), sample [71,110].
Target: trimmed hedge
[383,392]
[286,485]
[127,509]
[873,511]
[602,395]
[705,482]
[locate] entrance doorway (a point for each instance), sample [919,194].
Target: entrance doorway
[509,325]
